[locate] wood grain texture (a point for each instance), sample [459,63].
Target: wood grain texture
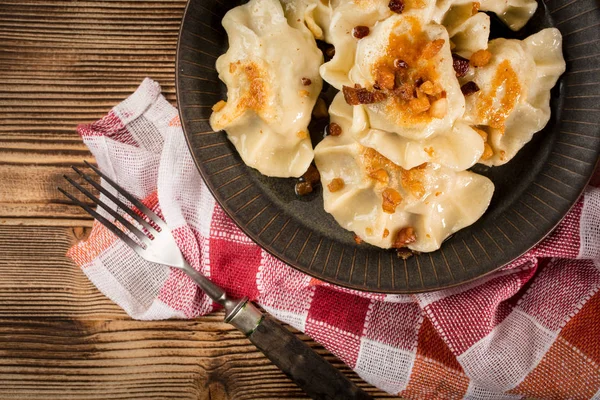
[63,63]
[61,339]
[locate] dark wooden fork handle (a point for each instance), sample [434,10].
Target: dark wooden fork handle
[311,372]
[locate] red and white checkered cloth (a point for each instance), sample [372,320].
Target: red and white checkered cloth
[529,330]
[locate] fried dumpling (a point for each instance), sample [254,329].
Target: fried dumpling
[513,102]
[272,87]
[389,206]
[403,56]
[408,64]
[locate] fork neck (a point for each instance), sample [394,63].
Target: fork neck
[239,312]
[213,291]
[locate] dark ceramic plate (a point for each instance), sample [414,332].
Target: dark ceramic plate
[533,192]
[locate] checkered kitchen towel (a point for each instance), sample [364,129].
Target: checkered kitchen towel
[529,330]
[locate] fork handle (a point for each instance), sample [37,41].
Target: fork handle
[311,372]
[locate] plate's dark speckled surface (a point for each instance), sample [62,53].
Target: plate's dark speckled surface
[533,192]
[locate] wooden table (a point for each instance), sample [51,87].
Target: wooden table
[64,63]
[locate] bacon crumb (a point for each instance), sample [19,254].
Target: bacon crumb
[481,58]
[460,64]
[334,129]
[419,105]
[405,91]
[336,184]
[469,88]
[432,48]
[303,188]
[308,181]
[396,6]
[386,79]
[391,200]
[360,31]
[356,96]
[380,175]
[311,175]
[404,237]
[430,88]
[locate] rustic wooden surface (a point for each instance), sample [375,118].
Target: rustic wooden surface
[64,63]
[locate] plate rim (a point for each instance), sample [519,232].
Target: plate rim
[294,263]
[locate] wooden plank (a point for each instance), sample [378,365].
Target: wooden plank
[29,194]
[64,63]
[39,281]
[61,339]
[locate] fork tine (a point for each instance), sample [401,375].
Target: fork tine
[149,213]
[133,229]
[136,247]
[118,202]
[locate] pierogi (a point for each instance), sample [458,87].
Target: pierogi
[514,100]
[379,200]
[423,96]
[272,87]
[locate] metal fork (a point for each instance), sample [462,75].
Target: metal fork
[155,243]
